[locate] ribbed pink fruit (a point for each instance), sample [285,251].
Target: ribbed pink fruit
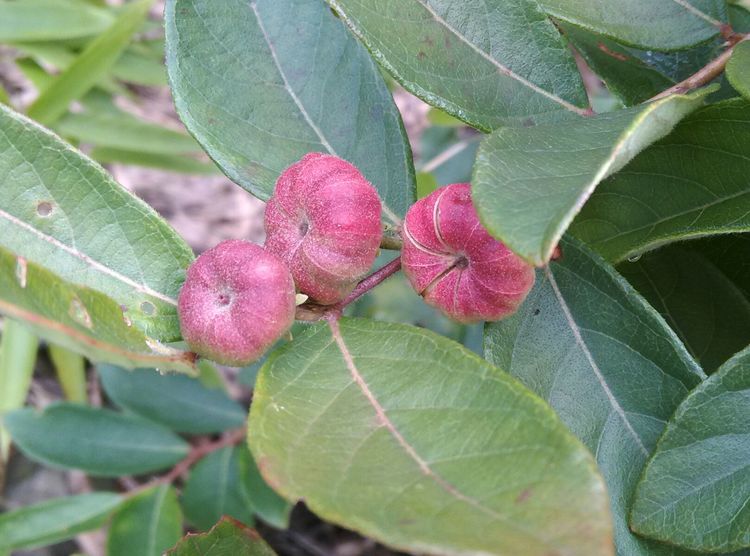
[324,222]
[455,265]
[237,300]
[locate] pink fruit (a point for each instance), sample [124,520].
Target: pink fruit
[324,222]
[453,262]
[237,300]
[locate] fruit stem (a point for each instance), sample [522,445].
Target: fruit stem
[313,312]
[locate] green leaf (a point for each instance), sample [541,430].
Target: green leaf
[692,183]
[448,155]
[695,491]
[664,25]
[80,318]
[702,305]
[56,55]
[97,441]
[146,524]
[18,351]
[121,247]
[625,74]
[407,437]
[739,17]
[123,131]
[135,66]
[529,183]
[49,20]
[171,163]
[55,520]
[266,504]
[93,64]
[215,488]
[731,255]
[489,65]
[228,537]
[259,89]
[738,69]
[70,368]
[426,184]
[179,402]
[587,343]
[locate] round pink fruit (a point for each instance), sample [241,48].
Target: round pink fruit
[324,222]
[453,262]
[237,300]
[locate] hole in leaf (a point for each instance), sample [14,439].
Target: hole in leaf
[148,308]
[44,208]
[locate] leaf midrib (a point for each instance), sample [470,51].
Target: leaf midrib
[573,325]
[423,466]
[298,102]
[502,68]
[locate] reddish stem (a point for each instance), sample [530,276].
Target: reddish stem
[197,453]
[707,73]
[313,312]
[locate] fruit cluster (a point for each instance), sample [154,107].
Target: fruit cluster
[323,232]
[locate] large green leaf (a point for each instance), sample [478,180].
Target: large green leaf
[97,441]
[55,520]
[178,402]
[529,183]
[215,488]
[147,524]
[709,313]
[259,89]
[62,211]
[47,20]
[661,25]
[692,183]
[488,63]
[226,538]
[80,318]
[409,438]
[738,69]
[695,491]
[92,65]
[605,361]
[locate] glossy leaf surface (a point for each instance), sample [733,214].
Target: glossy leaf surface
[606,362]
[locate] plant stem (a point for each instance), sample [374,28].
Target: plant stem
[707,73]
[314,312]
[197,453]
